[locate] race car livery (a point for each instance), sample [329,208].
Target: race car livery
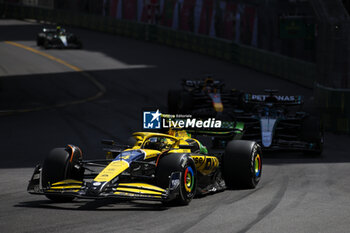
[171,168]
[278,122]
[57,38]
[203,98]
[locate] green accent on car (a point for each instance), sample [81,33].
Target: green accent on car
[203,149]
[240,126]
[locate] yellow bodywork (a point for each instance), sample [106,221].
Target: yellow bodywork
[139,189]
[112,170]
[66,185]
[205,164]
[123,189]
[135,190]
[141,186]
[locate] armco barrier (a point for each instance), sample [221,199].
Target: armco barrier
[336,108]
[294,70]
[288,68]
[335,102]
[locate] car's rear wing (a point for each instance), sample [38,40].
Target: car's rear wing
[49,30]
[199,83]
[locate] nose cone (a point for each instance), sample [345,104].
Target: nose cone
[64,40]
[95,188]
[267,130]
[112,170]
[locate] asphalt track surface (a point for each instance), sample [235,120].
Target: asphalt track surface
[296,194]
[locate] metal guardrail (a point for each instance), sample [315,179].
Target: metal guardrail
[332,89]
[335,105]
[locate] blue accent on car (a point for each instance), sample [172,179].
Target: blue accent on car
[131,155]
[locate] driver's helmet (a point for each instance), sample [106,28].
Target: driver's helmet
[209,81]
[155,143]
[58,29]
[208,84]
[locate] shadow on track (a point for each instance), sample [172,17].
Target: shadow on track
[335,151]
[96,205]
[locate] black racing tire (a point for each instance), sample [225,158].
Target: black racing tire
[242,164]
[184,164]
[38,41]
[313,133]
[57,167]
[179,102]
[80,45]
[46,44]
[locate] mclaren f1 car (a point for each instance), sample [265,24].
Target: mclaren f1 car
[57,38]
[171,168]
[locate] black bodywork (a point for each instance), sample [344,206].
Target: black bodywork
[279,122]
[203,98]
[58,38]
[276,122]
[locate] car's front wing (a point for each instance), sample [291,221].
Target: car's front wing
[81,189]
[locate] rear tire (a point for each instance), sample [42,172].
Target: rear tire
[312,132]
[79,44]
[57,167]
[46,44]
[38,42]
[242,164]
[40,39]
[188,179]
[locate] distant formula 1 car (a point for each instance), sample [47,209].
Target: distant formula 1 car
[57,38]
[169,167]
[203,98]
[278,122]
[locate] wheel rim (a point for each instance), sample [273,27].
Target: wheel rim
[189,179]
[257,165]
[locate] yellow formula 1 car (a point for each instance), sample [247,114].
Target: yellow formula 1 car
[169,167]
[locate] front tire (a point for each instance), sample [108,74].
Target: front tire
[312,132]
[46,44]
[242,164]
[38,42]
[80,45]
[59,166]
[188,176]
